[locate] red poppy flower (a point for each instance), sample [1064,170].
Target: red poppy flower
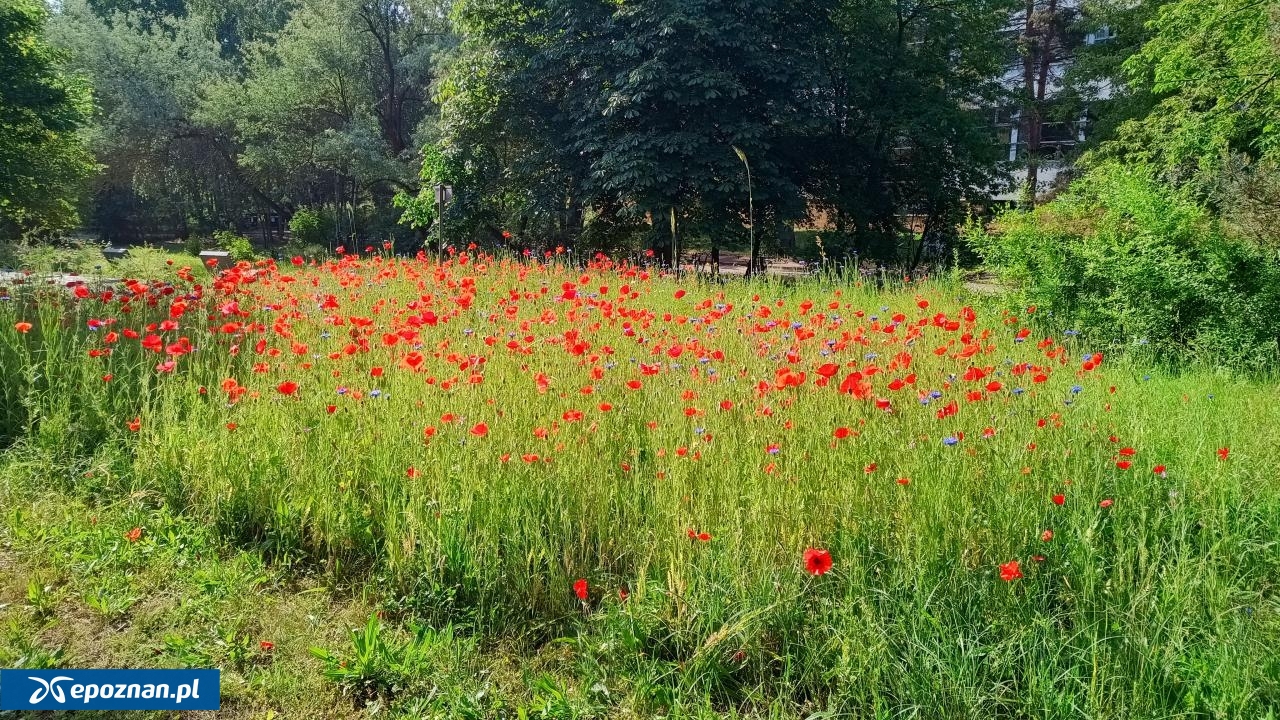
[580,589]
[817,561]
[1046,536]
[842,433]
[22,327]
[134,425]
[480,429]
[133,535]
[1059,499]
[287,387]
[1010,571]
[267,646]
[1106,503]
[1223,453]
[1159,470]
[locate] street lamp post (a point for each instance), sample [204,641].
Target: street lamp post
[444,195]
[751,212]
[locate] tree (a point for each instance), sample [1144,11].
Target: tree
[620,112]
[1210,76]
[164,170]
[631,110]
[42,159]
[1213,68]
[1096,82]
[899,144]
[334,108]
[216,113]
[1044,45]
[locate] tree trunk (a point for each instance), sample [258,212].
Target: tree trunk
[1040,35]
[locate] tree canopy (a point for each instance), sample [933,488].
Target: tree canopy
[42,108]
[592,123]
[867,111]
[1213,68]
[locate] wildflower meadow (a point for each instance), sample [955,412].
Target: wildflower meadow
[546,489]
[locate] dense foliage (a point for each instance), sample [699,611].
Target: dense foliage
[1169,238]
[42,158]
[569,122]
[1130,262]
[569,117]
[214,116]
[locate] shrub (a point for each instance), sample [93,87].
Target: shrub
[193,245]
[240,247]
[307,227]
[1133,262]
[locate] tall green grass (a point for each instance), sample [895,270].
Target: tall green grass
[1162,604]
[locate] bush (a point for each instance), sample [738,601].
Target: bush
[240,247]
[307,227]
[193,245]
[1132,262]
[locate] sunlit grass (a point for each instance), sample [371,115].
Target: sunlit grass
[477,465]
